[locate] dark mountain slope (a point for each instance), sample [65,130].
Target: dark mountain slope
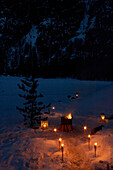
[57,38]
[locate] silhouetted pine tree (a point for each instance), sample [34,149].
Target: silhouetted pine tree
[32,109]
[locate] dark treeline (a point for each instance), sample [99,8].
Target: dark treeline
[72,39]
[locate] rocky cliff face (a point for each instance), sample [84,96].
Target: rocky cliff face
[57,38]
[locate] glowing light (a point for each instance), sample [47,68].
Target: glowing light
[60,139]
[102,117]
[55,129]
[95,143]
[44,125]
[53,108]
[85,127]
[69,116]
[89,136]
[76,94]
[62,145]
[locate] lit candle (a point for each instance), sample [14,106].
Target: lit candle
[76,95]
[89,137]
[85,128]
[60,139]
[69,116]
[102,117]
[55,130]
[53,108]
[62,148]
[95,147]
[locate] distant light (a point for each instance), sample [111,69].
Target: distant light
[53,108]
[102,117]
[76,94]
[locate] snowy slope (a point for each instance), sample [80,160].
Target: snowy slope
[22,148]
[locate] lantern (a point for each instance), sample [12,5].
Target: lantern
[44,124]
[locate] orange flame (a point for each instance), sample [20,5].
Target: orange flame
[62,145]
[103,117]
[76,94]
[55,129]
[85,127]
[44,125]
[53,108]
[60,139]
[95,143]
[89,136]
[69,116]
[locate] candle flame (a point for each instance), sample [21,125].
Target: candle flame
[95,143]
[69,116]
[60,139]
[55,130]
[62,145]
[76,94]
[53,108]
[85,127]
[102,117]
[89,136]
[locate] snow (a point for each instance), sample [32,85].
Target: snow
[32,36]
[64,49]
[2,21]
[84,25]
[82,30]
[46,22]
[25,148]
[92,23]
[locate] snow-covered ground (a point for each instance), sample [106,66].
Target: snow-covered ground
[24,148]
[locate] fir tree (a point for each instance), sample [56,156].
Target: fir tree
[32,109]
